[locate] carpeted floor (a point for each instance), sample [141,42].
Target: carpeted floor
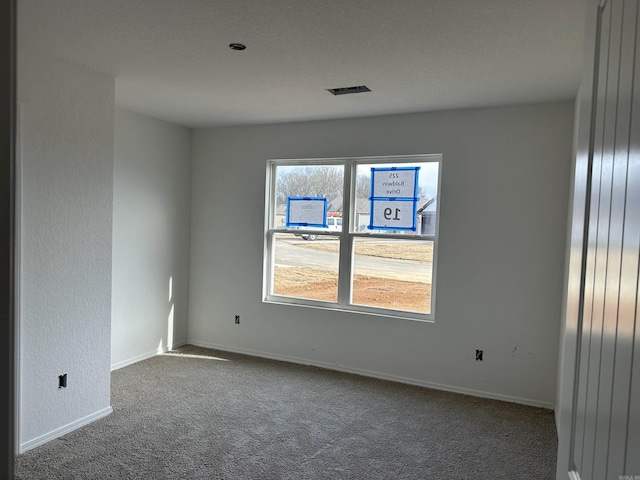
[196,413]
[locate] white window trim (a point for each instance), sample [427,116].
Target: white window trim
[346,237]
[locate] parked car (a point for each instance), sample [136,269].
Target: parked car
[333,224]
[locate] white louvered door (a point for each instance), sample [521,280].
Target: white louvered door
[605,442]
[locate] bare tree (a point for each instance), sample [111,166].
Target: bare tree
[319,181]
[363,186]
[310,181]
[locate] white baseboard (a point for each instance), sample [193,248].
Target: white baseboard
[144,356]
[58,432]
[373,374]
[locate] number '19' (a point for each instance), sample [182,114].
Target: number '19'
[389,211]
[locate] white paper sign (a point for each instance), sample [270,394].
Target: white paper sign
[394,183]
[304,211]
[390,214]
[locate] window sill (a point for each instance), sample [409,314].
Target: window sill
[357,309]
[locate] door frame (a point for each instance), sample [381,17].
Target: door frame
[578,229]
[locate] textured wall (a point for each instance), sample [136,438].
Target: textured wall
[67,175]
[151,222]
[505,181]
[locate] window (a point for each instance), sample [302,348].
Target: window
[356,234]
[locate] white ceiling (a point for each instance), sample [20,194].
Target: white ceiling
[171,58]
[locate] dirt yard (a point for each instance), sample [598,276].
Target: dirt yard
[319,284]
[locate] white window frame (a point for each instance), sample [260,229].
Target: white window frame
[346,236]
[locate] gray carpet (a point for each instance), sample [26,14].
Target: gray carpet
[203,414]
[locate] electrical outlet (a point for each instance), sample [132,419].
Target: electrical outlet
[237,318]
[62,381]
[479,355]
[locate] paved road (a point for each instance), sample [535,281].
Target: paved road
[293,253]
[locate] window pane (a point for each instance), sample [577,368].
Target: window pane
[391,273]
[306,268]
[313,181]
[395,211]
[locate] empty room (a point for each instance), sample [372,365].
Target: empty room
[303,239]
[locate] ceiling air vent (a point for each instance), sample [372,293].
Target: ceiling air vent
[348,90]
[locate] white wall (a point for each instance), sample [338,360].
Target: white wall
[151,222]
[67,174]
[505,181]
